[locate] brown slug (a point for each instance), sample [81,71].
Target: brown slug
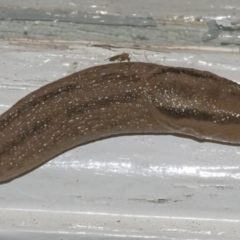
[113,99]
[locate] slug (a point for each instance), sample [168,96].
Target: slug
[113,99]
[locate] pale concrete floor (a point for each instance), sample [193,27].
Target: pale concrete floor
[129,23]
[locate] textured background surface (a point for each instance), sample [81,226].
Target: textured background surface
[178,23]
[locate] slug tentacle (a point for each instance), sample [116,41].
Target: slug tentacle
[115,99]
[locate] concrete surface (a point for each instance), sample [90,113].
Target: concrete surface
[132,23]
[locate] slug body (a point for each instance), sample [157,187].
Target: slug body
[113,99]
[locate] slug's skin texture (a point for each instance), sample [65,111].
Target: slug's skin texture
[113,99]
